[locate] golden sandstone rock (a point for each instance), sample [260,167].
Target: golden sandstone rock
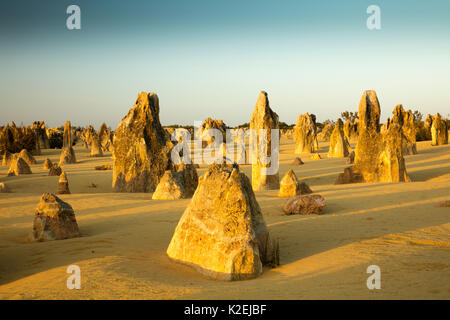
[47,164]
[378,157]
[310,204]
[105,137]
[338,143]
[141,151]
[18,166]
[26,155]
[264,118]
[54,220]
[222,232]
[297,162]
[406,121]
[290,186]
[305,134]
[177,184]
[55,170]
[315,156]
[67,153]
[439,131]
[351,130]
[63,184]
[96,147]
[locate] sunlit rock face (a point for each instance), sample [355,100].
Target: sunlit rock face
[222,233]
[54,220]
[96,147]
[405,120]
[18,166]
[351,130]
[378,156]
[105,137]
[141,152]
[290,186]
[41,134]
[305,134]
[264,118]
[439,131]
[179,183]
[338,142]
[326,132]
[63,184]
[67,153]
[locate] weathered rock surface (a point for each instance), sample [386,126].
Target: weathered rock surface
[141,152]
[351,130]
[47,164]
[13,139]
[326,132]
[105,137]
[18,166]
[378,156]
[439,131]
[55,170]
[41,134]
[67,153]
[351,157]
[63,184]
[405,120]
[222,233]
[54,220]
[209,123]
[297,162]
[264,118]
[290,186]
[96,147]
[338,143]
[177,184]
[25,155]
[310,204]
[305,134]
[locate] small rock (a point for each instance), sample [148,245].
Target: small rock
[310,204]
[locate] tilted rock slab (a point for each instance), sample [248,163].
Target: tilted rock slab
[338,143]
[54,220]
[141,152]
[263,118]
[222,233]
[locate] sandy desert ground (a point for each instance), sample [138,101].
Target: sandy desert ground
[121,253]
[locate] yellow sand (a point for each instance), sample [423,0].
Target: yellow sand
[124,237]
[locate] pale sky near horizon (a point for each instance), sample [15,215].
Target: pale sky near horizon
[211,59]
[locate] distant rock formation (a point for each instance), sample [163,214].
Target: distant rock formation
[13,139]
[315,156]
[41,134]
[55,170]
[222,232]
[326,132]
[47,164]
[177,184]
[439,131]
[406,121]
[309,204]
[105,137]
[378,156]
[18,166]
[67,153]
[338,143]
[96,147]
[297,162]
[305,134]
[63,184]
[290,186]
[141,152]
[351,130]
[25,155]
[54,220]
[209,123]
[263,118]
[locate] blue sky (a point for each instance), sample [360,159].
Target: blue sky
[211,58]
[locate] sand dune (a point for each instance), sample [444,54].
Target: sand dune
[121,253]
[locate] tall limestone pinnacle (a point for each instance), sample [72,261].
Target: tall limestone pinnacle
[305,134]
[264,118]
[222,232]
[141,147]
[378,156]
[67,153]
[338,142]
